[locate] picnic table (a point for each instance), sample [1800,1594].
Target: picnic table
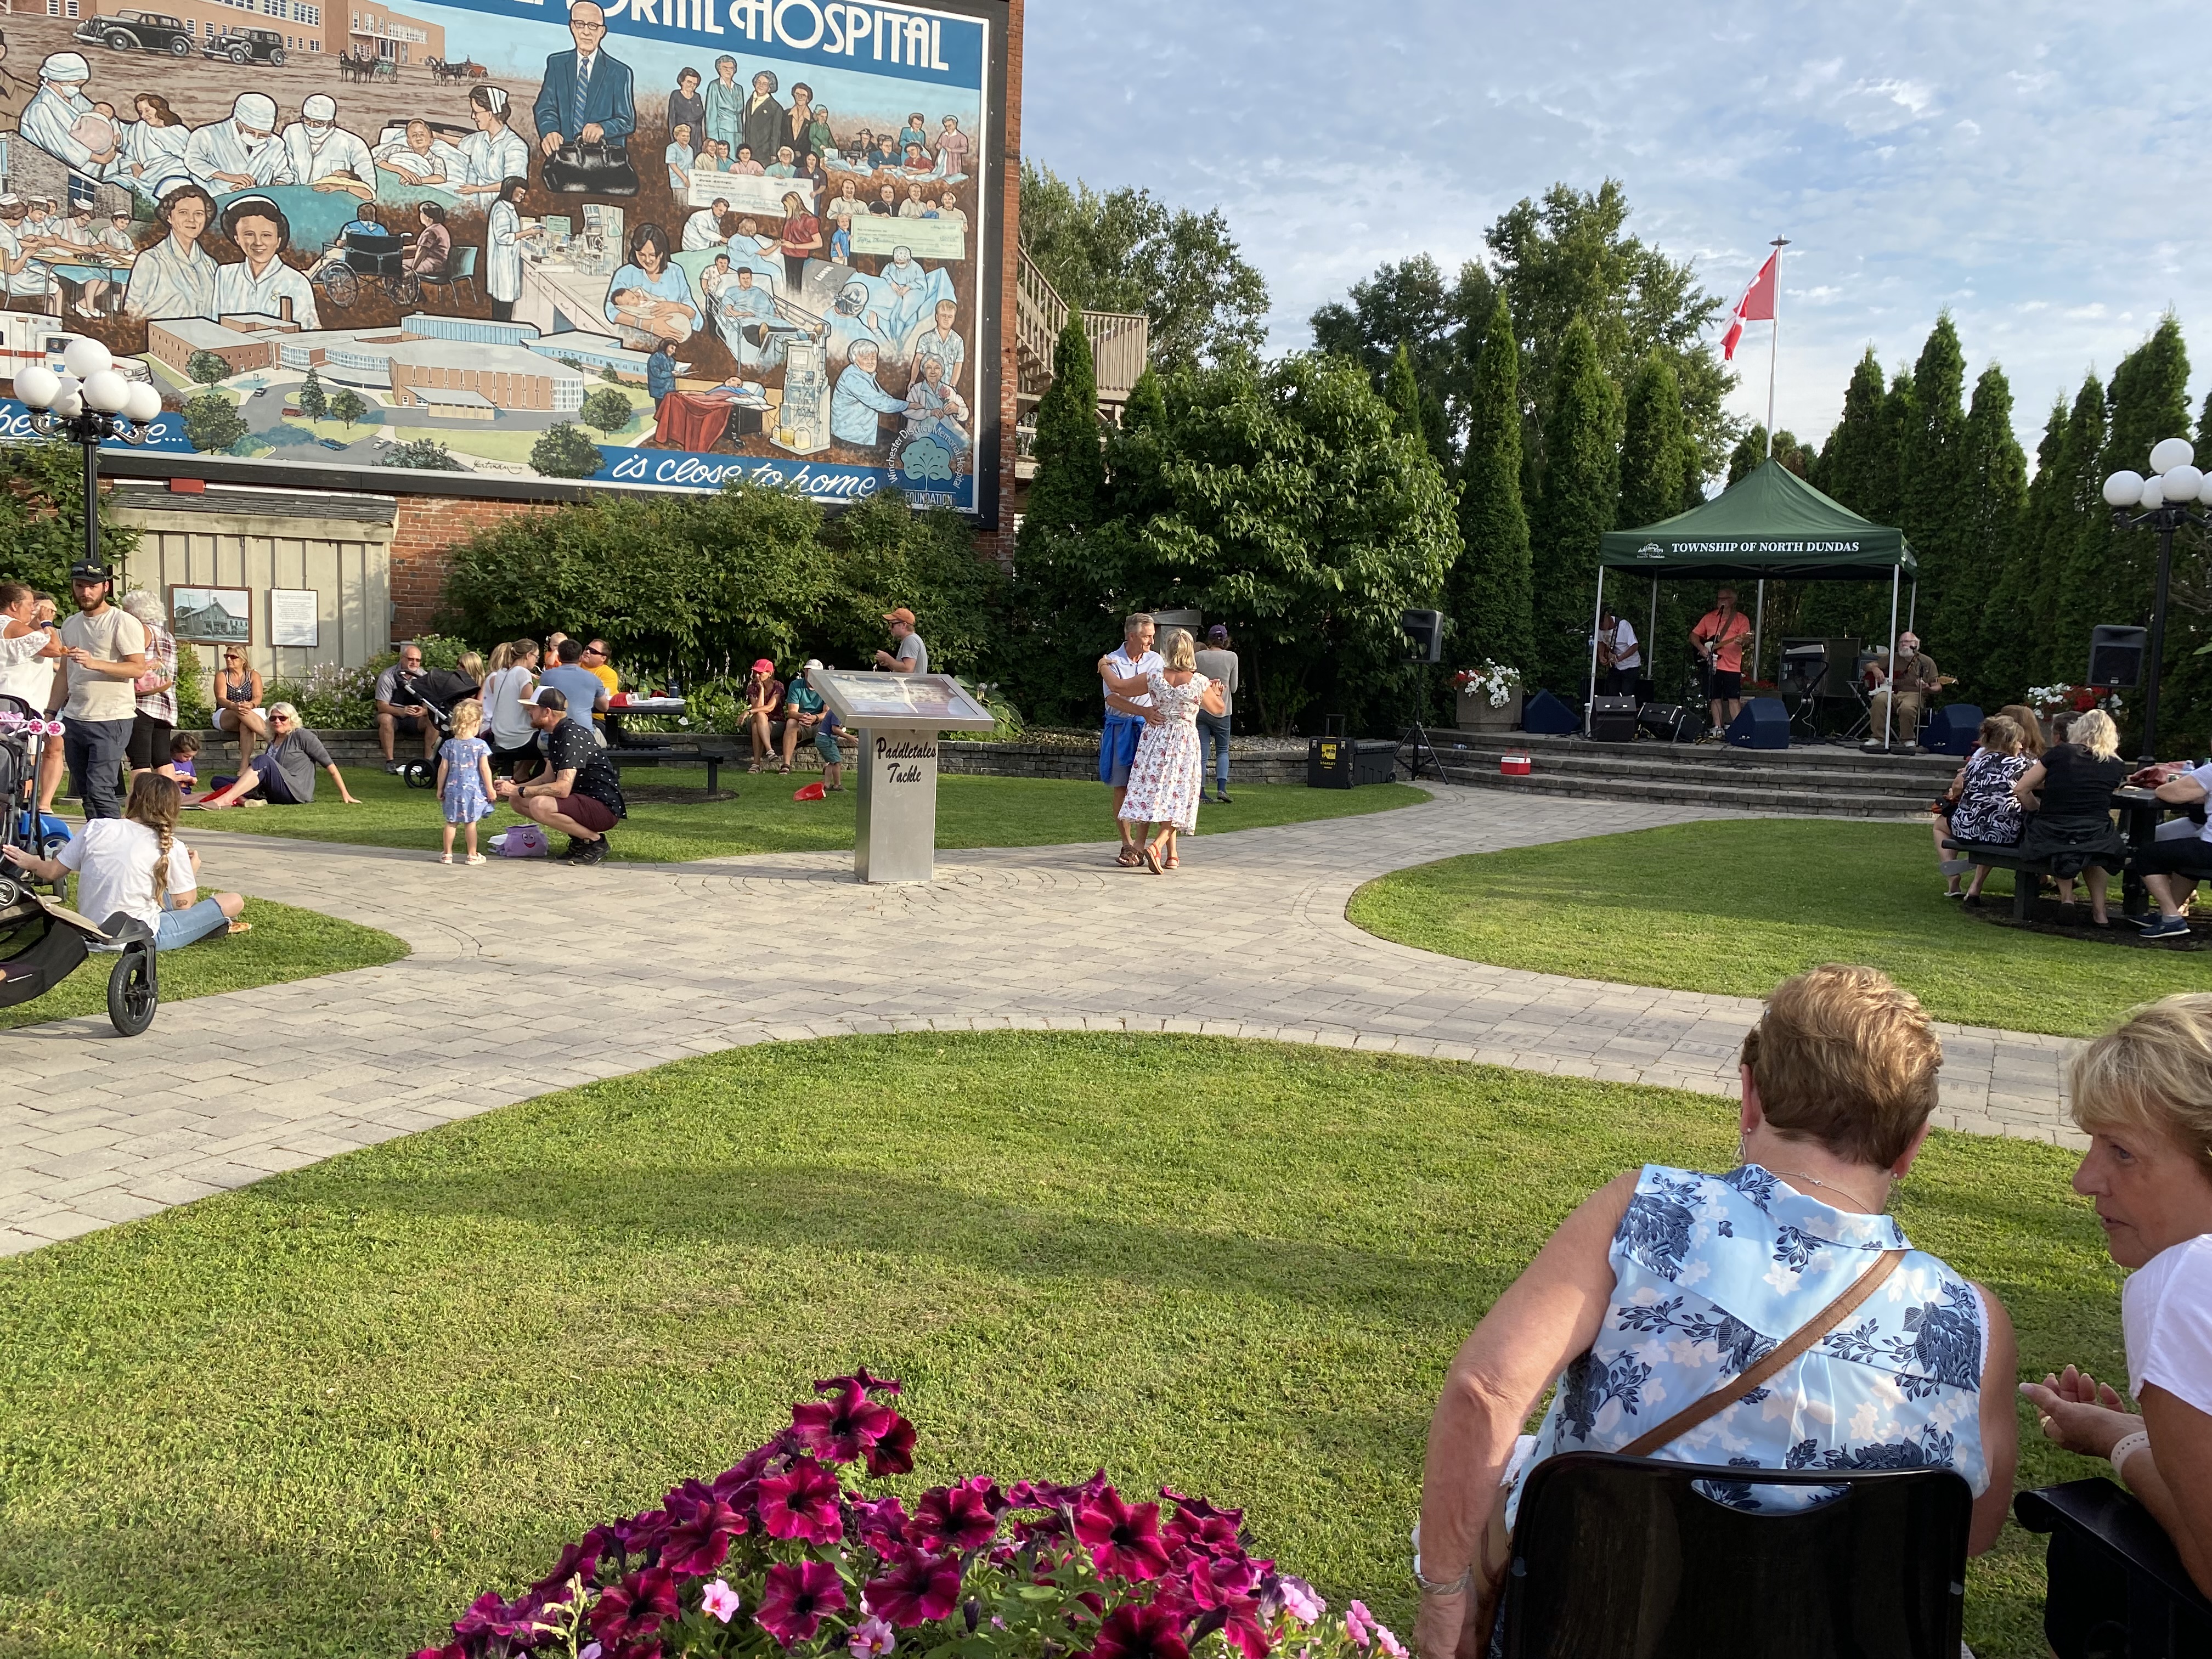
[2140,811]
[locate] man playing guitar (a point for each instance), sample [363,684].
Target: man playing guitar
[1718,641]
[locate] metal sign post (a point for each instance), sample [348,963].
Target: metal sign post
[898,718]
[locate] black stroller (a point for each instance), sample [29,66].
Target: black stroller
[440,690]
[42,942]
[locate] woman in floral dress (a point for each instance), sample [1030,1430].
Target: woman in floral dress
[1165,777]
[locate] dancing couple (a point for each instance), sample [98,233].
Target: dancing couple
[1164,780]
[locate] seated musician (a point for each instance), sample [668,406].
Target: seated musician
[1719,638]
[1915,680]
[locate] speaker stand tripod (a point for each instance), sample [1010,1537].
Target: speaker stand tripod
[1417,735]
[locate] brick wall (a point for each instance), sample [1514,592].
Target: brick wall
[1001,542]
[422,537]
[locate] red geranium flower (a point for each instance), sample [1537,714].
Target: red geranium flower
[1124,1541]
[1134,1632]
[841,1429]
[892,1452]
[920,1589]
[802,1503]
[795,1599]
[635,1608]
[956,1519]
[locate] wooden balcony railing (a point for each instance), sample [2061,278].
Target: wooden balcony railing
[1119,342]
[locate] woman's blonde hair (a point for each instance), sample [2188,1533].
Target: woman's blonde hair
[2153,1071]
[503,657]
[1845,1057]
[1182,655]
[2001,734]
[468,718]
[287,712]
[2095,732]
[155,801]
[2031,728]
[472,665]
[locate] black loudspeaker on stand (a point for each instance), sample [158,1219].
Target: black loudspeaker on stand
[1612,719]
[1952,730]
[2116,656]
[1764,724]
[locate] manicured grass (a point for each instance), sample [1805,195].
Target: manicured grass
[971,811]
[1733,908]
[286,944]
[317,1416]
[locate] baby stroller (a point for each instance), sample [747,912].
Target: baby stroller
[22,825]
[440,690]
[43,943]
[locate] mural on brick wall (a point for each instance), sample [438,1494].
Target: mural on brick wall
[644,243]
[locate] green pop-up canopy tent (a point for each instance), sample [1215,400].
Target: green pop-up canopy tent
[1768,522]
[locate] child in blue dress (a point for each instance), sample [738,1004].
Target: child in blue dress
[464,778]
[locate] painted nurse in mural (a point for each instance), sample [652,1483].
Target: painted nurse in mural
[153,159]
[262,283]
[494,153]
[175,278]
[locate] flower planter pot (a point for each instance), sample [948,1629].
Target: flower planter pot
[1476,713]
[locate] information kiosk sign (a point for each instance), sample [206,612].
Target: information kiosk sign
[898,718]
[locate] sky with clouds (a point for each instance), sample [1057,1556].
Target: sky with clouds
[2039,169]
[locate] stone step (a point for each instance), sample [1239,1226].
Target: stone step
[1733,797]
[1915,784]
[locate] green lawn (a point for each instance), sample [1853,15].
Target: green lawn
[971,811]
[286,943]
[317,1416]
[1736,906]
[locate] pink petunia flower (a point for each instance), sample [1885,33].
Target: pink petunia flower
[635,1610]
[1295,1596]
[1124,1541]
[1135,1633]
[1389,1643]
[1359,1623]
[871,1639]
[802,1503]
[893,1450]
[956,1519]
[916,1590]
[795,1599]
[841,1429]
[719,1601]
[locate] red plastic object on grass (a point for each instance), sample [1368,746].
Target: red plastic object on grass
[811,792]
[1513,766]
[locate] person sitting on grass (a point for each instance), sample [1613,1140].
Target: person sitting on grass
[135,866]
[576,792]
[185,759]
[1687,1283]
[2069,791]
[284,773]
[1986,813]
[2143,1095]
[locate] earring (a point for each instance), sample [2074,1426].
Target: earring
[1742,1152]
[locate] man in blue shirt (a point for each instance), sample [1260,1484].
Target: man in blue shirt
[858,400]
[584,690]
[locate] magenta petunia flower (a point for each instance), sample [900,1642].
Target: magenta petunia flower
[699,1541]
[1293,1596]
[719,1601]
[841,1429]
[956,1519]
[1135,1633]
[795,1599]
[871,1639]
[880,1523]
[802,1503]
[1124,1541]
[1195,1524]
[634,1609]
[583,1556]
[893,1450]
[1359,1623]
[919,1589]
[858,1379]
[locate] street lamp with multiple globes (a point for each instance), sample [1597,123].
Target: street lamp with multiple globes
[2161,502]
[89,404]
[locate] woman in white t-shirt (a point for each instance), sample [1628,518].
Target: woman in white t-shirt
[135,866]
[512,682]
[2143,1093]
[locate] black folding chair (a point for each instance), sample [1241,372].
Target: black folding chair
[1618,1555]
[2117,1590]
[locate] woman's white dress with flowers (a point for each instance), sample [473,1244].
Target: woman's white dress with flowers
[1165,779]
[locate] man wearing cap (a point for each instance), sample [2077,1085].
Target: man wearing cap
[106,650]
[241,151]
[56,108]
[577,791]
[318,150]
[805,714]
[912,656]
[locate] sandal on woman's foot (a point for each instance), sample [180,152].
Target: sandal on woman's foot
[1152,858]
[786,767]
[478,858]
[445,858]
[1172,861]
[754,768]
[1128,858]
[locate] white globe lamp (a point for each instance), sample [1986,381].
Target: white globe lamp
[86,358]
[2182,484]
[37,386]
[2169,453]
[143,405]
[2124,489]
[2153,493]
[69,403]
[106,392]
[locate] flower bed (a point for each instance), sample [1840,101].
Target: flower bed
[777,1556]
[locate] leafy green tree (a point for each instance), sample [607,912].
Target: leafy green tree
[1441,324]
[2071,556]
[884,554]
[1654,454]
[1124,250]
[347,407]
[1582,485]
[2147,401]
[314,401]
[422,454]
[1858,465]
[1750,454]
[213,423]
[607,409]
[206,368]
[1147,405]
[1982,615]
[564,453]
[1491,594]
[1070,479]
[42,516]
[1403,391]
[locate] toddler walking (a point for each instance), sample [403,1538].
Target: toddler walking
[464,778]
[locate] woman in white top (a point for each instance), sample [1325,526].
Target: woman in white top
[153,158]
[494,153]
[2143,1093]
[504,235]
[512,682]
[175,278]
[261,283]
[135,866]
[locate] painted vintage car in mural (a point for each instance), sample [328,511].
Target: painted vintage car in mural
[655,243]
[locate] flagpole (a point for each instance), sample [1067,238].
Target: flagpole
[1774,348]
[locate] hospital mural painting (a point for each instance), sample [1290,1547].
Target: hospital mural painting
[646,242]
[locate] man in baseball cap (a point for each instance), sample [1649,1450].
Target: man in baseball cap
[107,651]
[912,656]
[806,714]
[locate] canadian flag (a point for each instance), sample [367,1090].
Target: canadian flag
[1757,306]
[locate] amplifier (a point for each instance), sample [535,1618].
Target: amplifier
[1612,719]
[1671,722]
[1817,667]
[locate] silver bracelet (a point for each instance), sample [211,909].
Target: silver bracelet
[2125,1448]
[1458,1586]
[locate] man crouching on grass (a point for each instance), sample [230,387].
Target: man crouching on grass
[577,793]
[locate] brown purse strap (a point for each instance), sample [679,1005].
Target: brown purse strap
[1752,1377]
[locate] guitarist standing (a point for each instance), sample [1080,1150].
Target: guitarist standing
[1719,639]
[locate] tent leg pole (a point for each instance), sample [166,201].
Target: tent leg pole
[1589,707]
[1912,607]
[1758,627]
[1652,633]
[1889,703]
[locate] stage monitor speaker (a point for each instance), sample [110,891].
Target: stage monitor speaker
[1612,719]
[1952,729]
[1764,724]
[1425,628]
[2116,656]
[1671,722]
[1545,715]
[1817,667]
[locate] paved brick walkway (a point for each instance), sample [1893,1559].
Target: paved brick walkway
[1249,940]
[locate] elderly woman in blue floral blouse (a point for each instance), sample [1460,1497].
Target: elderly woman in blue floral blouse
[1666,1284]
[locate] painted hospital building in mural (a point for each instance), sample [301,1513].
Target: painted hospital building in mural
[307,25]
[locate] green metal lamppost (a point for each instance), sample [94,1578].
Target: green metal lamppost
[2159,502]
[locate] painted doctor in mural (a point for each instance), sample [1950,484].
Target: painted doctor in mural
[61,120]
[241,151]
[320,153]
[504,235]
